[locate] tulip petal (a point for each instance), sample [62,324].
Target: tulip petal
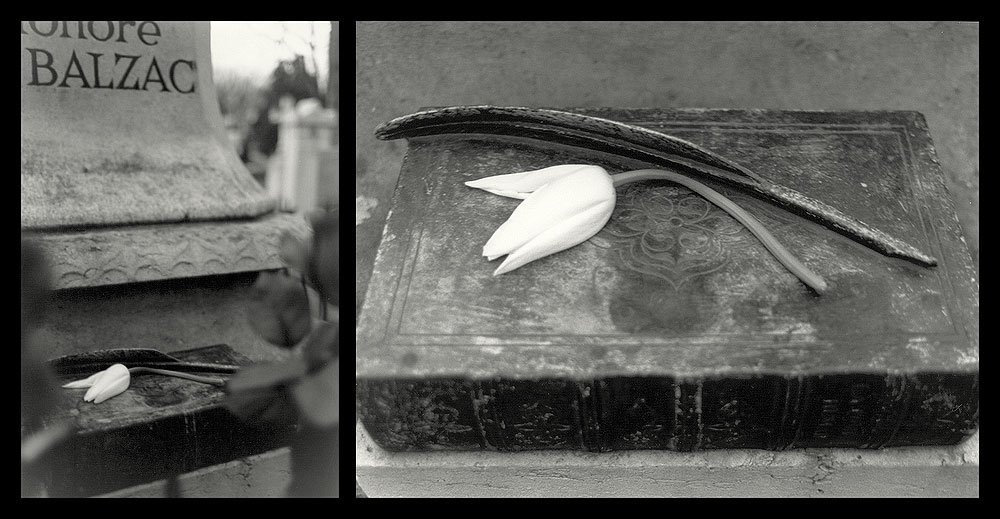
[92,392]
[111,382]
[520,185]
[87,382]
[548,206]
[561,236]
[114,388]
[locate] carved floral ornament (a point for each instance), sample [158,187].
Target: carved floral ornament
[565,205]
[671,234]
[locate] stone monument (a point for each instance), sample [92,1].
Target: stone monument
[127,178]
[153,229]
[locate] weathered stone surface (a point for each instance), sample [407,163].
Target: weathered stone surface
[129,254]
[165,315]
[262,475]
[820,66]
[159,426]
[125,130]
[672,285]
[673,327]
[912,472]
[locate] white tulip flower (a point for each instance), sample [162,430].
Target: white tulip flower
[104,384]
[566,205]
[563,206]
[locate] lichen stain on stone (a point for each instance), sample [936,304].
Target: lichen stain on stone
[409,359]
[751,313]
[943,400]
[363,205]
[920,345]
[966,357]
[132,164]
[861,302]
[643,304]
[801,332]
[825,468]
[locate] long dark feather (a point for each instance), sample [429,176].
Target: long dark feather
[643,144]
[93,361]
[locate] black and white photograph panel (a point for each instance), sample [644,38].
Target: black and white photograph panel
[180,252]
[652,259]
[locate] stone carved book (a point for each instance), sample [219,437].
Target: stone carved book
[160,427]
[673,327]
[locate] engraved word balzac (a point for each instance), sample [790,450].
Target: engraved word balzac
[106,70]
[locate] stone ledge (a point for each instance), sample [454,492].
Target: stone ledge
[910,471]
[130,254]
[262,475]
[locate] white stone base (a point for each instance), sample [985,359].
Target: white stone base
[923,471]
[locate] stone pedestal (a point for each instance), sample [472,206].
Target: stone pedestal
[120,124]
[128,180]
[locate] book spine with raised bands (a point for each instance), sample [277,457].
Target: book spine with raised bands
[622,413]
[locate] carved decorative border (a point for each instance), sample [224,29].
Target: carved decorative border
[117,255]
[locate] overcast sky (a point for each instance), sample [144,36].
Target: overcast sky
[254,48]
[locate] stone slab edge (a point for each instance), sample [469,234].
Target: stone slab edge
[909,471]
[262,475]
[130,254]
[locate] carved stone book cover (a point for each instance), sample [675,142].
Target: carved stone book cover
[673,327]
[162,425]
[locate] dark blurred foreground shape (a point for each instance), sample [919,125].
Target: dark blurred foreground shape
[37,384]
[304,389]
[316,449]
[302,174]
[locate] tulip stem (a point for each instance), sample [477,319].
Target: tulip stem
[178,374]
[810,278]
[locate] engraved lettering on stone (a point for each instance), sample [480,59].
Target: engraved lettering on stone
[105,70]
